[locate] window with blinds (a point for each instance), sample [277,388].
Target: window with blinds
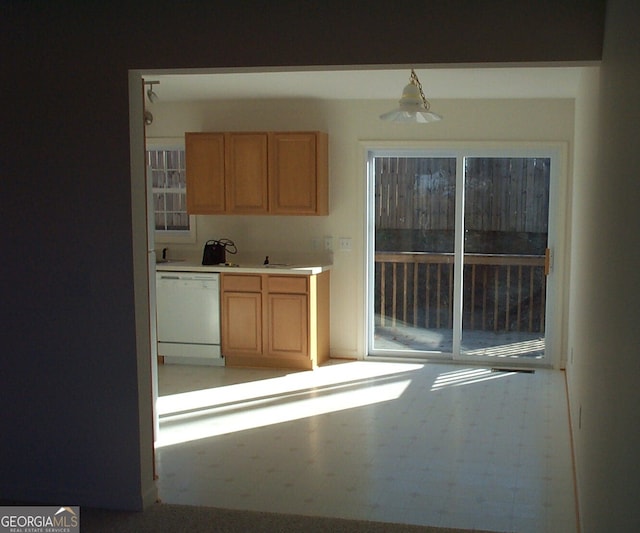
[168,178]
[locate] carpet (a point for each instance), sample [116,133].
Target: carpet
[167,518]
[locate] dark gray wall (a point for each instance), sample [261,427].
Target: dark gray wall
[69,376]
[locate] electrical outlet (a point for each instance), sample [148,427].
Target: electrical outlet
[315,243]
[345,244]
[328,243]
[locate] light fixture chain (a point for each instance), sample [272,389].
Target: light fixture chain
[416,81]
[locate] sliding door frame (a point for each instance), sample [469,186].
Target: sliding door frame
[559,216]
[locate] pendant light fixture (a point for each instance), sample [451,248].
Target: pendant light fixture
[413,106]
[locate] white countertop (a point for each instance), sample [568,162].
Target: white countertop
[232,268]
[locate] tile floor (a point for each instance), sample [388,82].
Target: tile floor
[434,444]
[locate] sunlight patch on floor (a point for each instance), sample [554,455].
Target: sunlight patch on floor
[220,410]
[466,376]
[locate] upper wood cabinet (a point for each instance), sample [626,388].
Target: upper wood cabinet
[246,173]
[298,173]
[205,162]
[280,173]
[226,173]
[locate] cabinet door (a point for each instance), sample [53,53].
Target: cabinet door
[288,325]
[204,153]
[241,323]
[298,173]
[246,173]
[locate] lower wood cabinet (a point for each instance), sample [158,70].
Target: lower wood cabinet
[277,321]
[243,324]
[288,325]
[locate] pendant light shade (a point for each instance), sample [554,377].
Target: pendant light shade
[413,106]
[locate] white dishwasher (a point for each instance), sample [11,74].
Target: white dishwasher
[188,314]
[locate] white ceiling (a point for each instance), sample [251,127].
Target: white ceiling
[493,82]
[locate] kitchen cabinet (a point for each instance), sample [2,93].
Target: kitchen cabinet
[277,321]
[298,173]
[279,173]
[246,173]
[287,316]
[227,173]
[205,162]
[242,322]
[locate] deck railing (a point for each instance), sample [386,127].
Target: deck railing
[500,292]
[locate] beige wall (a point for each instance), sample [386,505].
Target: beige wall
[584,200]
[604,337]
[348,124]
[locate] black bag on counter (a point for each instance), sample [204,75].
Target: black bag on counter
[215,251]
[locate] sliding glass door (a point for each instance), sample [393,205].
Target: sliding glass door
[458,253]
[506,214]
[414,212]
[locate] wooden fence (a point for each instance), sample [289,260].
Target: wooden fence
[500,292]
[501,194]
